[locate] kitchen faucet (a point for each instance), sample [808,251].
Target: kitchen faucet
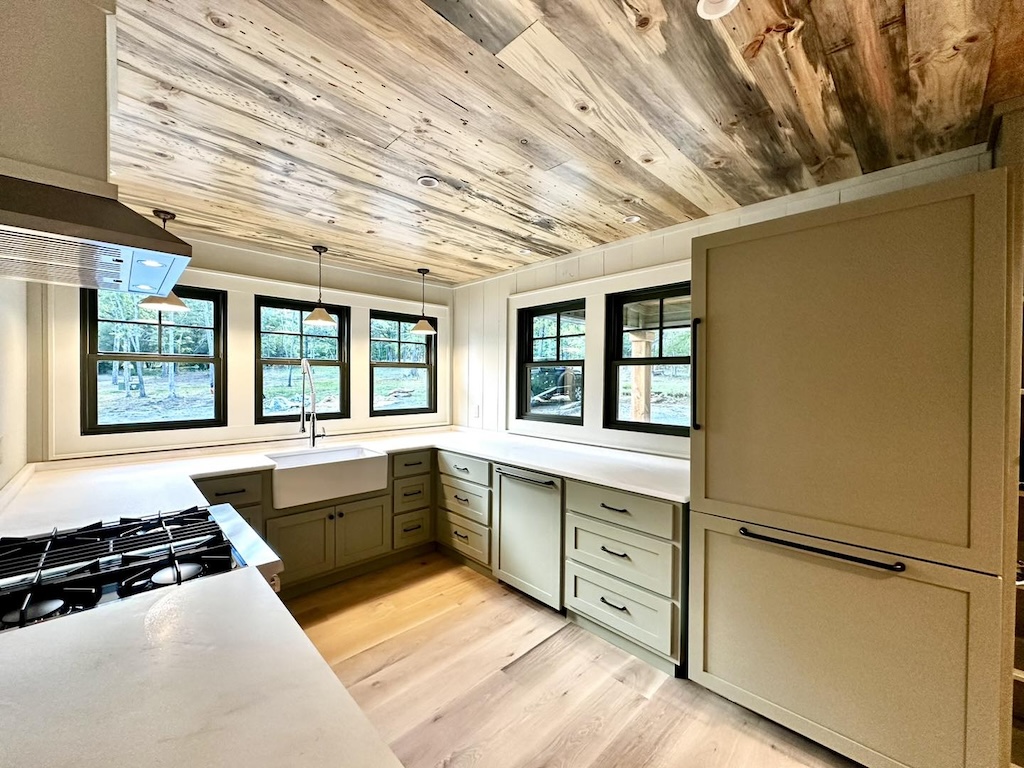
[307,372]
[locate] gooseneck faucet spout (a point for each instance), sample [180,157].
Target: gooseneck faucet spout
[307,373]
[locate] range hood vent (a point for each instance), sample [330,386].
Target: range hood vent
[55,235]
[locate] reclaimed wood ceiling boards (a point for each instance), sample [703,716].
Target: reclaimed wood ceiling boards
[547,122]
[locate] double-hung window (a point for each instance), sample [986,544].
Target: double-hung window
[282,341]
[647,384]
[403,366]
[552,342]
[147,370]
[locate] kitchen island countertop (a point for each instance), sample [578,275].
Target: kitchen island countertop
[212,673]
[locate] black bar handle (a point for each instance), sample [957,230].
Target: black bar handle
[412,528]
[896,567]
[520,478]
[614,509]
[461,469]
[622,608]
[412,493]
[461,535]
[412,464]
[220,494]
[459,498]
[694,335]
[613,552]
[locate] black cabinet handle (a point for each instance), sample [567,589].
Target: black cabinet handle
[461,469]
[541,483]
[694,335]
[341,515]
[461,535]
[613,552]
[896,567]
[412,464]
[459,498]
[614,509]
[411,528]
[330,516]
[220,494]
[622,608]
[412,493]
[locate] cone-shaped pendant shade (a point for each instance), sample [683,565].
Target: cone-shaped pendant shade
[168,303]
[423,327]
[319,316]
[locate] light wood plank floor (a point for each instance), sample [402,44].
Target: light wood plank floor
[456,670]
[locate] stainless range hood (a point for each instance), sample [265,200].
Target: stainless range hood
[55,235]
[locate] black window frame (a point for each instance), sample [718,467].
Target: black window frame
[91,357]
[343,363]
[525,361]
[614,359]
[430,365]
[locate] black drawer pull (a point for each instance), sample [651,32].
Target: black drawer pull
[613,552]
[330,516]
[459,498]
[412,528]
[614,509]
[219,494]
[461,469]
[412,493]
[541,483]
[622,608]
[896,567]
[461,535]
[412,464]
[694,337]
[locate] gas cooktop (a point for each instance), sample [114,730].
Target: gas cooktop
[63,572]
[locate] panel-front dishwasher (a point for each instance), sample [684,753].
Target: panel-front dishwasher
[528,533]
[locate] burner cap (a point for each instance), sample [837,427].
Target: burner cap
[166,575]
[37,609]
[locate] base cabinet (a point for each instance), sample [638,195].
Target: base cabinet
[894,669]
[324,539]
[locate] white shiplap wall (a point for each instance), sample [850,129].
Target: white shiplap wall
[481,310]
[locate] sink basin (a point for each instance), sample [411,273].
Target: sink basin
[322,474]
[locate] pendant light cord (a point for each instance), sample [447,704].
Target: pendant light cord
[320,279]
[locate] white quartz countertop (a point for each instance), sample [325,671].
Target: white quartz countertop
[72,493]
[211,673]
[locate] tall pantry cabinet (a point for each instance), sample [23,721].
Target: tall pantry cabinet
[854,473]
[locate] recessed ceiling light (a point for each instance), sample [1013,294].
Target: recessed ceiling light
[143,287]
[151,263]
[715,9]
[631,219]
[525,251]
[427,181]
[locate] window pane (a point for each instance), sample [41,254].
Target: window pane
[572,348]
[396,389]
[115,305]
[179,340]
[321,330]
[676,342]
[142,392]
[545,326]
[572,322]
[677,311]
[383,351]
[545,349]
[654,394]
[200,314]
[318,348]
[641,314]
[138,338]
[640,344]
[282,389]
[276,319]
[414,353]
[274,345]
[556,390]
[408,335]
[383,329]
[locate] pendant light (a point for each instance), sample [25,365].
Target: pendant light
[423,327]
[319,315]
[170,302]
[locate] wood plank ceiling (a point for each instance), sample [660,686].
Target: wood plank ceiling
[547,122]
